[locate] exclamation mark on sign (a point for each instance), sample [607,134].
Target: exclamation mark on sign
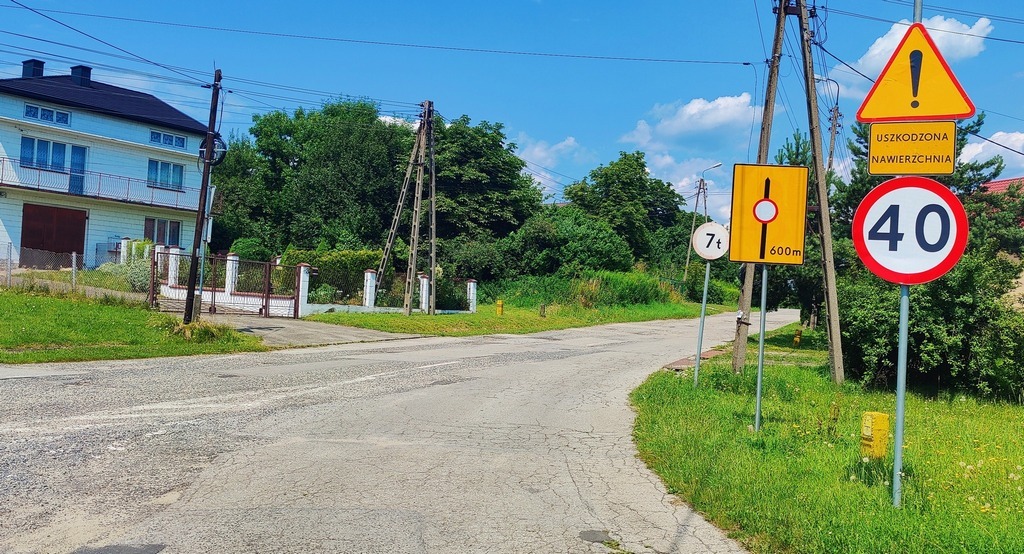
[915,74]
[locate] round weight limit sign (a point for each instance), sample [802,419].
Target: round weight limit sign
[910,230]
[710,241]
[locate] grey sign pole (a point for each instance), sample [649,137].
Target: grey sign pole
[700,327]
[901,392]
[760,346]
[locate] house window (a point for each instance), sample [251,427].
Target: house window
[48,115]
[167,139]
[166,175]
[43,154]
[163,231]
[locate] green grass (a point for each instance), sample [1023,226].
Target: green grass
[515,320]
[800,485]
[41,328]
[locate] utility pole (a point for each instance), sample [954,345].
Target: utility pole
[833,128]
[211,135]
[424,148]
[422,159]
[739,350]
[835,345]
[429,109]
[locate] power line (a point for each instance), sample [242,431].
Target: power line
[101,41]
[958,11]
[872,80]
[394,44]
[906,23]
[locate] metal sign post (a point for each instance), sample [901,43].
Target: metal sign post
[760,347]
[710,241]
[909,231]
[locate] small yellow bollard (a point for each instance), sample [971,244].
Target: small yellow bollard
[796,338]
[874,435]
[500,304]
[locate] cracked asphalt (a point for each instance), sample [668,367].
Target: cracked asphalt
[484,444]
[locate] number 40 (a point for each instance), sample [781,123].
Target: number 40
[893,236]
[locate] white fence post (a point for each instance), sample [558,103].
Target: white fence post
[370,288]
[471,295]
[158,252]
[231,274]
[10,263]
[173,263]
[424,292]
[122,256]
[303,288]
[74,270]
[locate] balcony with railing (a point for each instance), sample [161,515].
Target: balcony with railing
[104,186]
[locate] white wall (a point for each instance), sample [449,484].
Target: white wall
[106,219]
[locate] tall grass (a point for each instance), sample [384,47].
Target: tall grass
[588,290]
[800,484]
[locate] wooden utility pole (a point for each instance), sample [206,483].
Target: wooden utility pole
[833,128]
[739,351]
[211,135]
[411,277]
[429,115]
[835,345]
[422,159]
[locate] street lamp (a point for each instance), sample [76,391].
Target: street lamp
[701,189]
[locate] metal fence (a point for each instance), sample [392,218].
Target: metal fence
[41,270]
[225,284]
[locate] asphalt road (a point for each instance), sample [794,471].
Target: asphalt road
[486,444]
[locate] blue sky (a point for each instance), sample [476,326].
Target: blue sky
[684,97]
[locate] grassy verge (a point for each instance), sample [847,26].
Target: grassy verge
[514,320]
[800,485]
[40,328]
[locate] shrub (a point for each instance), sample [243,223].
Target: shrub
[251,249]
[323,294]
[342,269]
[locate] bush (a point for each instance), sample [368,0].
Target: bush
[963,336]
[323,294]
[694,286]
[251,249]
[342,269]
[591,289]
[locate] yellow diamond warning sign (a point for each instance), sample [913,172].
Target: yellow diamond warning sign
[916,85]
[912,148]
[769,204]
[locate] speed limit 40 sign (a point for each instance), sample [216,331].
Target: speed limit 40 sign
[910,230]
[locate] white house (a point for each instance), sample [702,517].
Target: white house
[83,164]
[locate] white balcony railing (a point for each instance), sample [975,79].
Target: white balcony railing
[97,185]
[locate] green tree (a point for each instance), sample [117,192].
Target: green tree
[319,176]
[564,240]
[961,324]
[629,199]
[481,188]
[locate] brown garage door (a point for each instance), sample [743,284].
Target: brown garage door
[46,230]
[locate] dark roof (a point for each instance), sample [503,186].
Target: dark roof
[1003,185]
[102,98]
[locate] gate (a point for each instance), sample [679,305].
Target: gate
[225,285]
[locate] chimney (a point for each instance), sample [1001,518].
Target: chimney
[81,75]
[31,68]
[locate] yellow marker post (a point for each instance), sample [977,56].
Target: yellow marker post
[500,305]
[874,435]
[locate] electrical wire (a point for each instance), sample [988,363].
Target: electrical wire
[101,41]
[388,43]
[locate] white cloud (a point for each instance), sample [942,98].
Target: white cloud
[981,151]
[955,41]
[543,153]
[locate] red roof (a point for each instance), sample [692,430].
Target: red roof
[1003,185]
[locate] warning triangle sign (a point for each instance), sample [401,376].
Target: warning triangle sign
[916,84]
